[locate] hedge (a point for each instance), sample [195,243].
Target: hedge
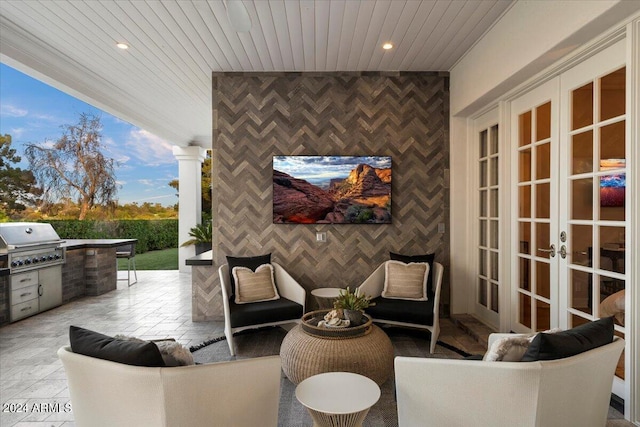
[151,234]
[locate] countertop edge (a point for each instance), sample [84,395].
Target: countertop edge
[96,243]
[205,258]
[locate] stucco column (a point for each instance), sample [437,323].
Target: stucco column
[189,197]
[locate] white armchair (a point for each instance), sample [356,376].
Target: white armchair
[574,391]
[238,317]
[239,393]
[415,314]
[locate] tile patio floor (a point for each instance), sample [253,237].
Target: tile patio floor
[158,306]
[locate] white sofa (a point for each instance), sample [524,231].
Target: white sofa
[242,393]
[574,391]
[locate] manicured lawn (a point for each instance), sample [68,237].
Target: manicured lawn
[166,259]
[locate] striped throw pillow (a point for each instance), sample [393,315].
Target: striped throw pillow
[405,281]
[255,286]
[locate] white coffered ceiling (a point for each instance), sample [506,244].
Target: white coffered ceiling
[162,83]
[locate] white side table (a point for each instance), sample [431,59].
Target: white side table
[338,399]
[325,296]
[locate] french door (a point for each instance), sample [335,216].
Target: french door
[569,161]
[487,295]
[535,164]
[593,208]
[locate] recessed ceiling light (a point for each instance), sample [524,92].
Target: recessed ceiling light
[122,46]
[387,46]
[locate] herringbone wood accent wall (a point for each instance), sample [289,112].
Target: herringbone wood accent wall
[257,116]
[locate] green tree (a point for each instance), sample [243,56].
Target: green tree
[17,187]
[73,167]
[206,185]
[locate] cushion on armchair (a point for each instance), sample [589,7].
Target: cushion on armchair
[254,286]
[508,349]
[94,344]
[405,281]
[173,353]
[570,342]
[263,312]
[407,311]
[428,258]
[251,263]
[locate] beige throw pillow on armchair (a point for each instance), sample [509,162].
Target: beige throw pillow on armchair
[255,286]
[405,281]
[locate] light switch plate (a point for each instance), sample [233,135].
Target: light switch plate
[441,227]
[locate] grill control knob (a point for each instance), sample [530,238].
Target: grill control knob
[27,261]
[14,263]
[58,256]
[50,257]
[43,258]
[19,262]
[35,260]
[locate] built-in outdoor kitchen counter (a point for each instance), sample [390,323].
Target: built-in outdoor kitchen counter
[90,269]
[206,295]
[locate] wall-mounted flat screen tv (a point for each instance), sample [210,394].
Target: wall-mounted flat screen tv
[332,189]
[612,187]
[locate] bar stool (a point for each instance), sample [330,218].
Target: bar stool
[128,252]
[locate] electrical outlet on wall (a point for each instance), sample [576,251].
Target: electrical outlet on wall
[441,227]
[321,236]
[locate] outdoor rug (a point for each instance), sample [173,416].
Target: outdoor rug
[266,342]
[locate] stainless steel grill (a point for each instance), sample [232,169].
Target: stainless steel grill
[30,246]
[34,255]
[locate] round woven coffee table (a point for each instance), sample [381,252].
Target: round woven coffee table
[304,355]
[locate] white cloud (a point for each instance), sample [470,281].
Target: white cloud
[12,111]
[149,148]
[115,150]
[17,132]
[47,117]
[146,199]
[146,181]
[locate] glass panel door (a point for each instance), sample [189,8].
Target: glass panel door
[535,297]
[487,295]
[596,223]
[593,208]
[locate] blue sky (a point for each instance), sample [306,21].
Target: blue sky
[33,112]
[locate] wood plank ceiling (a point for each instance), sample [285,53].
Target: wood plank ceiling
[162,83]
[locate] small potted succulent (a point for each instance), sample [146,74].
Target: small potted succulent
[352,305]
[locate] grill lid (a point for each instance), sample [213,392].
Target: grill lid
[15,235]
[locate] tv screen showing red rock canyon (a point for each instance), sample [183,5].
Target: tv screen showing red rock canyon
[332,189]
